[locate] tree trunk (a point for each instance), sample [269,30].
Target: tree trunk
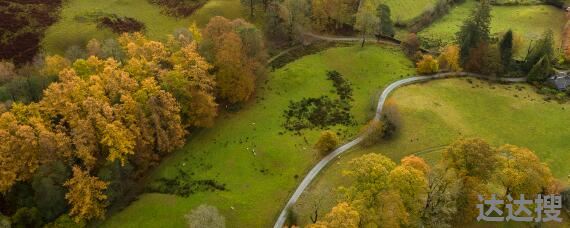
[251,8]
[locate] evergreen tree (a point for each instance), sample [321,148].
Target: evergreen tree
[386,24]
[475,29]
[543,47]
[541,70]
[506,49]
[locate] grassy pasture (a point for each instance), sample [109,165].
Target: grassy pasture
[225,152]
[406,10]
[436,113]
[70,31]
[530,22]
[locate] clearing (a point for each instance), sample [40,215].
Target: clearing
[530,22]
[434,114]
[77,19]
[259,182]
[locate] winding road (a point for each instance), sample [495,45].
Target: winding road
[326,160]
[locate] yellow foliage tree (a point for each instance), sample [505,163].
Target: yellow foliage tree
[522,172]
[54,64]
[416,163]
[412,186]
[341,216]
[427,65]
[449,59]
[86,196]
[328,141]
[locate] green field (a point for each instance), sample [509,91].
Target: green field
[225,152]
[406,10]
[69,31]
[530,22]
[436,113]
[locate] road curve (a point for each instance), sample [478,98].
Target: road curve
[327,159]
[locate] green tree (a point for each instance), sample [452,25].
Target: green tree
[541,70]
[492,61]
[386,26]
[543,50]
[506,49]
[475,29]
[367,22]
[294,14]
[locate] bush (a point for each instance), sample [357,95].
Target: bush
[4,221]
[121,25]
[411,45]
[65,221]
[374,131]
[27,217]
[449,59]
[427,65]
[328,141]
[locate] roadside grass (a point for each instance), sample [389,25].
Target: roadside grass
[436,113]
[69,31]
[260,183]
[530,22]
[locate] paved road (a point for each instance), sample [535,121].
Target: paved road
[326,160]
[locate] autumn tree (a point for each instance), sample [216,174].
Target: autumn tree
[54,64]
[367,22]
[416,163]
[474,161]
[377,202]
[522,172]
[187,77]
[343,215]
[386,26]
[427,65]
[449,59]
[411,184]
[475,62]
[27,143]
[373,132]
[333,14]
[205,216]
[411,45]
[86,196]
[328,141]
[236,48]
